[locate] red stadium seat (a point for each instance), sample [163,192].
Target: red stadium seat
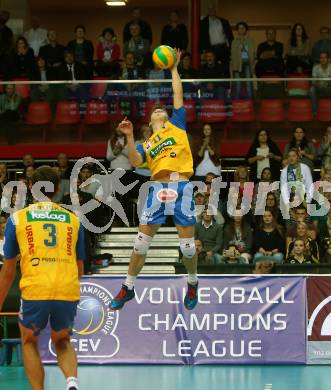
[96,113]
[98,90]
[191,115]
[300,110]
[22,89]
[213,111]
[298,87]
[324,110]
[272,110]
[67,113]
[243,111]
[39,113]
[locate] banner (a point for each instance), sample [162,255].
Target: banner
[251,319]
[319,320]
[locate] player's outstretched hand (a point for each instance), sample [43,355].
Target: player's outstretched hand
[178,55]
[126,127]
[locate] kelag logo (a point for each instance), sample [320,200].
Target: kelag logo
[95,325]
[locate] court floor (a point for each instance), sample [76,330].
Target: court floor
[118,377]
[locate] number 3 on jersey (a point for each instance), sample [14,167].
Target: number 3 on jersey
[51,229]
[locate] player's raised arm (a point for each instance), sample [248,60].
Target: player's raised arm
[135,157]
[177,86]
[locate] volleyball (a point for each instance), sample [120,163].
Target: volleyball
[164,57]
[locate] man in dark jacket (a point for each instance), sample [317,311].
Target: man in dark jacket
[145,28]
[216,34]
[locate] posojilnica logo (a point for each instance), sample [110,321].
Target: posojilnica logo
[95,324]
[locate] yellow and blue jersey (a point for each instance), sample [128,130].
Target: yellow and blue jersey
[50,240]
[168,149]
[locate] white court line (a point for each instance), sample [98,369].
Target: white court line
[268,386]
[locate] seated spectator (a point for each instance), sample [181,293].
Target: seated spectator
[325,246]
[6,43]
[84,175]
[323,45]
[264,267]
[297,215]
[130,70]
[239,233]
[108,54]
[271,204]
[3,177]
[299,253]
[295,174]
[243,58]
[72,71]
[298,52]
[306,149]
[232,256]
[63,188]
[201,207]
[311,245]
[211,235]
[213,70]
[270,56]
[324,151]
[175,33]
[185,69]
[82,50]
[64,165]
[201,253]
[145,28]
[241,176]
[207,159]
[269,243]
[36,36]
[138,45]
[117,151]
[263,153]
[321,88]
[10,103]
[53,53]
[23,61]
[143,171]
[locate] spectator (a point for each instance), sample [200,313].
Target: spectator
[263,153]
[238,232]
[298,52]
[324,151]
[232,256]
[108,54]
[24,62]
[270,56]
[117,151]
[185,68]
[10,103]
[299,214]
[53,53]
[84,175]
[321,88]
[36,36]
[211,235]
[72,71]
[6,43]
[143,171]
[82,49]
[175,33]
[271,204]
[63,187]
[296,179]
[145,28]
[208,159]
[64,165]
[201,207]
[241,176]
[216,35]
[325,247]
[242,58]
[311,245]
[299,253]
[202,255]
[28,161]
[264,267]
[306,150]
[130,70]
[137,45]
[269,243]
[3,177]
[323,45]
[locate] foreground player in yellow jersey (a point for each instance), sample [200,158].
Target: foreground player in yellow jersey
[50,241]
[169,158]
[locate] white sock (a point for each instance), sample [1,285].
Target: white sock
[72,382]
[192,279]
[129,281]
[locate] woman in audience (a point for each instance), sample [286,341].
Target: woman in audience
[299,253]
[324,151]
[311,245]
[269,243]
[10,103]
[306,149]
[239,233]
[272,204]
[263,153]
[243,54]
[24,61]
[108,54]
[298,52]
[232,255]
[208,159]
[117,151]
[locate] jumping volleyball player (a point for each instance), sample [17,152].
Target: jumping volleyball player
[169,158]
[50,241]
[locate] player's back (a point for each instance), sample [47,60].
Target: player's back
[47,237]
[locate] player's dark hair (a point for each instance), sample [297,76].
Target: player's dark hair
[46,173]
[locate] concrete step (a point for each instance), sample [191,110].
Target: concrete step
[126,252]
[135,230]
[147,270]
[159,260]
[129,244]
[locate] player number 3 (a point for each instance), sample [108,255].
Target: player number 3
[51,229]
